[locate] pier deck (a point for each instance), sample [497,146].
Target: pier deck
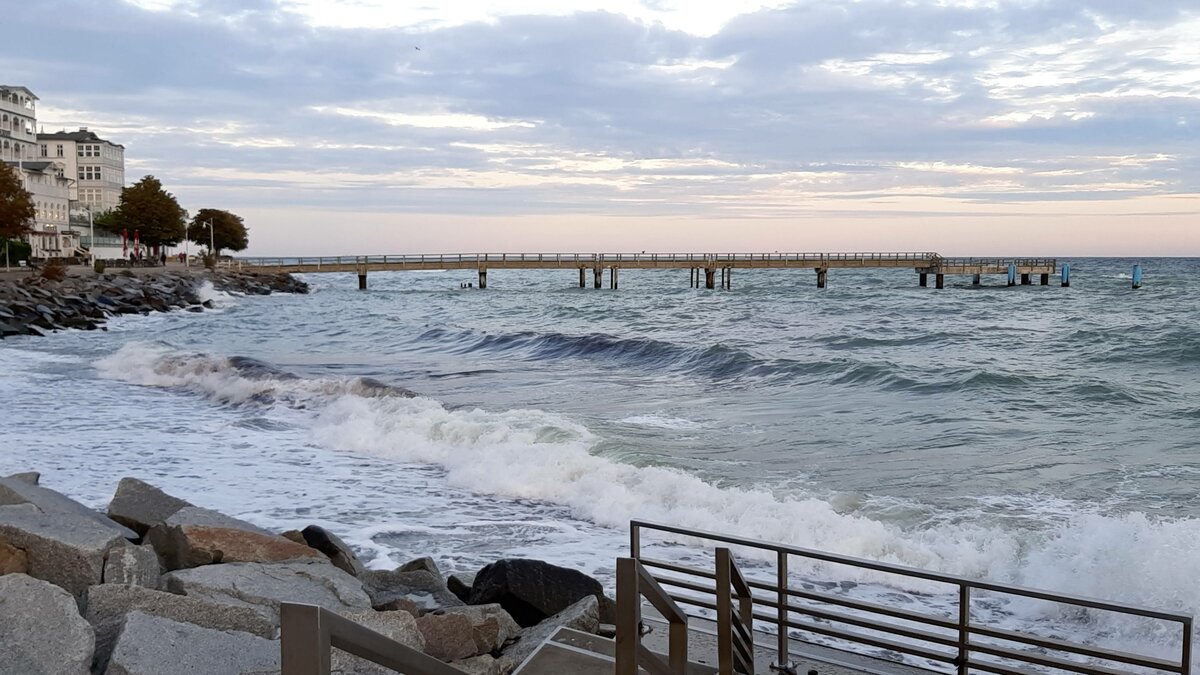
[923,263]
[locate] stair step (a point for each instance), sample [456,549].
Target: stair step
[579,653]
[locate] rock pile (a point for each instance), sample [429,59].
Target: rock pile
[35,305]
[159,586]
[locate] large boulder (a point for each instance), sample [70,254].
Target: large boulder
[66,549]
[582,616]
[462,632]
[532,590]
[398,626]
[332,546]
[13,560]
[132,565]
[108,605]
[262,586]
[41,632]
[485,664]
[396,589]
[18,489]
[31,477]
[140,506]
[153,645]
[460,585]
[194,536]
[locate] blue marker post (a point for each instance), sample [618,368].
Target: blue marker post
[1137,276]
[1012,274]
[1066,275]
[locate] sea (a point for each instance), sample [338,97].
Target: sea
[1031,435]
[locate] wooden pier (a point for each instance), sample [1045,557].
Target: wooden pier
[707,268]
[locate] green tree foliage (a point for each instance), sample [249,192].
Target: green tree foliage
[107,221]
[150,211]
[228,230]
[16,204]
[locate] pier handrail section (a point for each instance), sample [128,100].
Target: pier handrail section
[959,643]
[633,584]
[735,618]
[308,633]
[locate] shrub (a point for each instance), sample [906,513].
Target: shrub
[54,270]
[98,266]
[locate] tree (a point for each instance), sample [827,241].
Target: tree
[150,211]
[16,204]
[228,230]
[107,221]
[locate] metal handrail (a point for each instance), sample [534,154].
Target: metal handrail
[735,618]
[308,633]
[952,641]
[633,584]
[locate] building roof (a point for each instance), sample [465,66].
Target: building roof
[81,136]
[17,87]
[39,165]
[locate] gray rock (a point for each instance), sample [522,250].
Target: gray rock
[425,563]
[195,515]
[462,632]
[262,586]
[132,565]
[338,552]
[153,645]
[41,632]
[108,605]
[460,585]
[67,550]
[583,616]
[399,626]
[139,505]
[14,490]
[485,664]
[532,590]
[421,587]
[31,477]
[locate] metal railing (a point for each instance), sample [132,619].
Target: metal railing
[735,618]
[633,584]
[584,258]
[308,633]
[957,642]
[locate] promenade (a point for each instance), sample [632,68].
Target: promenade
[703,268]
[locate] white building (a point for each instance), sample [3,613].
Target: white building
[97,165]
[18,119]
[50,191]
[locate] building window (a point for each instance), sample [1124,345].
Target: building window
[60,150]
[45,150]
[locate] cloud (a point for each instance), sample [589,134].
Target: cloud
[809,108]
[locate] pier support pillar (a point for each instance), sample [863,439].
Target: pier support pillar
[693,277]
[483,277]
[1025,279]
[1012,275]
[597,277]
[977,280]
[822,272]
[1066,275]
[939,280]
[1137,276]
[728,278]
[710,277]
[582,278]
[1045,279]
[612,277]
[362,280]
[924,280]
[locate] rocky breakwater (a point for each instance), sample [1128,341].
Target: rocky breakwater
[156,585]
[35,305]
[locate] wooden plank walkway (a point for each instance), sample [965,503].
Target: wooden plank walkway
[924,263]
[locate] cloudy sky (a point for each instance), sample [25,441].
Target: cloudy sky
[1066,127]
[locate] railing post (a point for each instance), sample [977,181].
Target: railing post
[303,641]
[783,659]
[1185,660]
[964,629]
[635,541]
[629,610]
[724,614]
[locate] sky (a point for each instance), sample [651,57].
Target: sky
[966,127]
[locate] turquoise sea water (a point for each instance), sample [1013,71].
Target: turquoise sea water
[1034,435]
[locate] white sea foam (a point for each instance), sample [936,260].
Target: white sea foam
[658,421]
[535,455]
[209,293]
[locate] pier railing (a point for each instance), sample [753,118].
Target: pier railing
[960,643]
[633,584]
[587,259]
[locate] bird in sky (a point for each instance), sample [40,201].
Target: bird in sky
[416,48]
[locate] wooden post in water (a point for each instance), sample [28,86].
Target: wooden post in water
[362,278]
[940,280]
[821,274]
[483,277]
[1066,275]
[1137,276]
[710,277]
[976,281]
[1046,279]
[612,277]
[728,278]
[1025,279]
[582,281]
[597,276]
[924,280]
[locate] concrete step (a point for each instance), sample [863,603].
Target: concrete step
[578,653]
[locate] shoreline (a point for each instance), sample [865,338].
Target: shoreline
[33,305]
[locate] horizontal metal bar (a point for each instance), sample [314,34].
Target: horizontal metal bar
[1080,649]
[1043,660]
